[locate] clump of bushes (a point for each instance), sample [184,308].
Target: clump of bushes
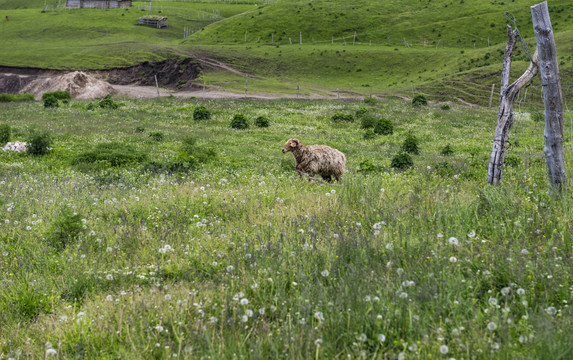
[420,100]
[384,127]
[108,103]
[447,150]
[370,100]
[402,161]
[368,122]
[410,145]
[140,129]
[239,122]
[39,142]
[368,167]
[369,134]
[66,228]
[445,107]
[262,121]
[5,134]
[60,95]
[51,102]
[4,97]
[112,154]
[156,136]
[342,117]
[201,113]
[361,112]
[445,169]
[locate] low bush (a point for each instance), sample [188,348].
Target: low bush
[67,227]
[39,142]
[23,300]
[140,129]
[384,127]
[420,100]
[402,161]
[445,107]
[262,121]
[370,100]
[512,160]
[445,169]
[411,145]
[201,113]
[60,95]
[447,150]
[51,102]
[369,134]
[5,134]
[361,112]
[342,117]
[114,153]
[239,122]
[4,97]
[368,167]
[368,122]
[108,103]
[156,136]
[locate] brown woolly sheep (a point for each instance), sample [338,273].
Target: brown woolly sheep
[317,159]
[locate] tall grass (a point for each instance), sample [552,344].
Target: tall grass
[241,258]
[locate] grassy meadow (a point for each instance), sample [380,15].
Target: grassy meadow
[239,258]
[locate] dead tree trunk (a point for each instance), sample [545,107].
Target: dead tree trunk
[552,97]
[505,115]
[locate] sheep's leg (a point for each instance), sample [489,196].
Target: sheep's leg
[328,178]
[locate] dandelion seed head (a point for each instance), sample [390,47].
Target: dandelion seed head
[444,349]
[492,326]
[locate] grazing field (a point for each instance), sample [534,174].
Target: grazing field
[131,240]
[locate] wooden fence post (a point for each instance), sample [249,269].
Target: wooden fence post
[552,97]
[156,85]
[505,115]
[491,96]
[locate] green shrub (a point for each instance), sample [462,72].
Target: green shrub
[512,160]
[108,103]
[445,107]
[361,112]
[51,102]
[139,129]
[370,100]
[189,148]
[239,122]
[447,150]
[114,153]
[368,167]
[384,127]
[156,136]
[410,145]
[402,161]
[262,121]
[342,117]
[369,134]
[60,95]
[4,97]
[445,169]
[5,134]
[39,142]
[91,106]
[201,113]
[368,122]
[420,100]
[66,228]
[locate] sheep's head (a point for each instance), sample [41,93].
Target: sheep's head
[291,144]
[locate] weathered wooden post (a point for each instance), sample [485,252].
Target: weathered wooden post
[552,97]
[505,115]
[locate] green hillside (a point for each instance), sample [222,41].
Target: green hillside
[452,24]
[399,46]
